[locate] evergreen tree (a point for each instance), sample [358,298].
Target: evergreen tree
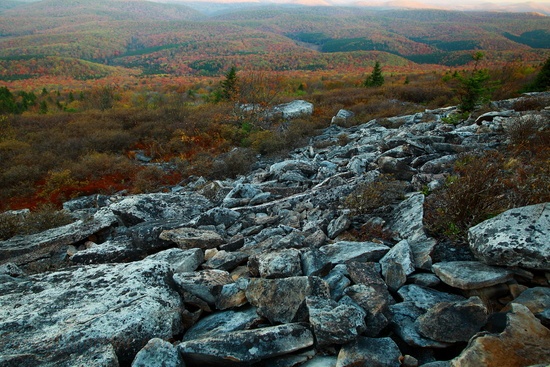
[473,88]
[7,101]
[542,81]
[376,79]
[229,85]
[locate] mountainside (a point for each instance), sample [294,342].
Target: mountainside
[159,38]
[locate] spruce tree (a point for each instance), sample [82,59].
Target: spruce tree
[229,85]
[376,79]
[542,80]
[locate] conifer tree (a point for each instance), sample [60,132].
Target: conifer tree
[542,80]
[229,85]
[376,79]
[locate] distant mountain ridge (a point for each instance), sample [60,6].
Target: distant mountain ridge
[175,39]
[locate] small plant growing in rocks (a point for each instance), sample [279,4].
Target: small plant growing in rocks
[374,196]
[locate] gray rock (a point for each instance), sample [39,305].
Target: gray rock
[426,298]
[517,237]
[425,279]
[337,281]
[337,226]
[321,361]
[205,284]
[439,165]
[343,251]
[453,322]
[407,223]
[396,167]
[221,323]
[53,315]
[280,264]
[397,264]
[342,117]
[334,323]
[187,238]
[181,261]
[375,300]
[470,274]
[148,207]
[246,347]
[366,273]
[403,317]
[216,216]
[489,116]
[524,342]
[267,296]
[314,262]
[293,109]
[48,249]
[11,270]
[372,352]
[145,235]
[158,353]
[224,260]
[232,295]
[115,250]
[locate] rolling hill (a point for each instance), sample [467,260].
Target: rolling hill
[161,38]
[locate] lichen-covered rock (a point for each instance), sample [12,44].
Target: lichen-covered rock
[343,251]
[517,237]
[453,322]
[187,238]
[334,323]
[53,315]
[158,353]
[204,284]
[372,352]
[524,342]
[48,250]
[246,347]
[280,264]
[148,207]
[397,264]
[470,274]
[283,300]
[223,322]
[181,261]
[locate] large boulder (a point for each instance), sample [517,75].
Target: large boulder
[517,237]
[51,316]
[293,109]
[247,346]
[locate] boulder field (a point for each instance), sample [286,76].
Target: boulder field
[261,270]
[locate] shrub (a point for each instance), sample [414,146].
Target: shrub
[374,196]
[236,162]
[43,218]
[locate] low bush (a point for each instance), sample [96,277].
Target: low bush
[43,218]
[374,196]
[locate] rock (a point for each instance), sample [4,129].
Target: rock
[470,274]
[337,226]
[425,279]
[403,317]
[232,295]
[246,347]
[453,322]
[148,207]
[217,216]
[314,262]
[342,117]
[224,260]
[292,109]
[54,315]
[489,116]
[372,352]
[158,353]
[343,251]
[11,270]
[337,281]
[205,284]
[221,323]
[397,264]
[181,261]
[145,235]
[407,223]
[321,361]
[280,264]
[115,250]
[426,298]
[266,295]
[517,237]
[524,342]
[375,300]
[334,323]
[187,238]
[537,300]
[48,249]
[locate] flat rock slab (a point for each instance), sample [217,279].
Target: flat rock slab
[48,249]
[187,238]
[343,251]
[517,237]
[245,347]
[48,317]
[148,207]
[470,274]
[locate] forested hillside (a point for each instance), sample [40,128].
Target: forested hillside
[156,39]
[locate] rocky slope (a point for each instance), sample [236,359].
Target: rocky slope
[260,270]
